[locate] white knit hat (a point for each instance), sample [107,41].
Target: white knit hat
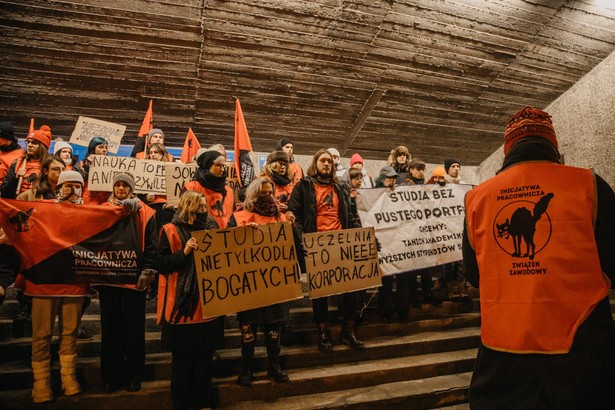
[70,176]
[60,145]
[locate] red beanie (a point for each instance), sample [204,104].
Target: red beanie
[43,136]
[529,122]
[356,158]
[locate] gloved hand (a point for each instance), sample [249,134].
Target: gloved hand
[146,278]
[132,204]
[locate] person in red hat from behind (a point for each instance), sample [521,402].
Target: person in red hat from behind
[539,239]
[25,170]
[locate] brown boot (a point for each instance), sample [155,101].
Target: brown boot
[41,390]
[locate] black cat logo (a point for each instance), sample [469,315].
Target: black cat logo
[20,220]
[328,200]
[218,208]
[521,227]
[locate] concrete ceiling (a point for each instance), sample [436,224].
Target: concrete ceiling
[439,76]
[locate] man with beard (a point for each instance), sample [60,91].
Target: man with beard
[320,204]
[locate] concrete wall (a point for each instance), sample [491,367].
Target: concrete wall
[584,121]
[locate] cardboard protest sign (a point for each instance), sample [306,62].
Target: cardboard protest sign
[176,175]
[88,128]
[246,268]
[148,174]
[417,226]
[341,261]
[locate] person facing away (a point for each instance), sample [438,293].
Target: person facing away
[539,241]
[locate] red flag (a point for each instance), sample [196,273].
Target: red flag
[31,126]
[105,249]
[191,146]
[243,148]
[148,121]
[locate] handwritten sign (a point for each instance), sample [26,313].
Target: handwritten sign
[418,226]
[148,174]
[176,175]
[88,128]
[341,261]
[246,268]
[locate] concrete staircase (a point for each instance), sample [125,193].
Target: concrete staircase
[424,363]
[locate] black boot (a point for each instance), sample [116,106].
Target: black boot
[245,372]
[272,339]
[348,337]
[248,340]
[324,339]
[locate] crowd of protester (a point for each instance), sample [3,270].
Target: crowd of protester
[321,199]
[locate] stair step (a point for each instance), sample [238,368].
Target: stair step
[326,378]
[17,374]
[416,389]
[432,392]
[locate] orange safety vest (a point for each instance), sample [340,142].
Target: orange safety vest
[244,217]
[219,207]
[532,228]
[6,159]
[167,285]
[33,166]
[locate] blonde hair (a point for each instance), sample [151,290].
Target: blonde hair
[188,206]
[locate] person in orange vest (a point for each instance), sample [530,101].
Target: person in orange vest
[24,171]
[539,239]
[210,180]
[190,338]
[260,207]
[277,170]
[9,148]
[122,307]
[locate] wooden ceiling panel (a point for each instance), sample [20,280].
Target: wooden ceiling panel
[363,76]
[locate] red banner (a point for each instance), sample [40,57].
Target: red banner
[68,243]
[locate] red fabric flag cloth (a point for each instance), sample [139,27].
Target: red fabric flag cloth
[104,246]
[148,121]
[31,126]
[243,149]
[191,146]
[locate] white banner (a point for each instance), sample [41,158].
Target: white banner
[177,174]
[418,226]
[148,174]
[88,128]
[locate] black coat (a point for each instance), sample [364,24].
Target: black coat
[303,205]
